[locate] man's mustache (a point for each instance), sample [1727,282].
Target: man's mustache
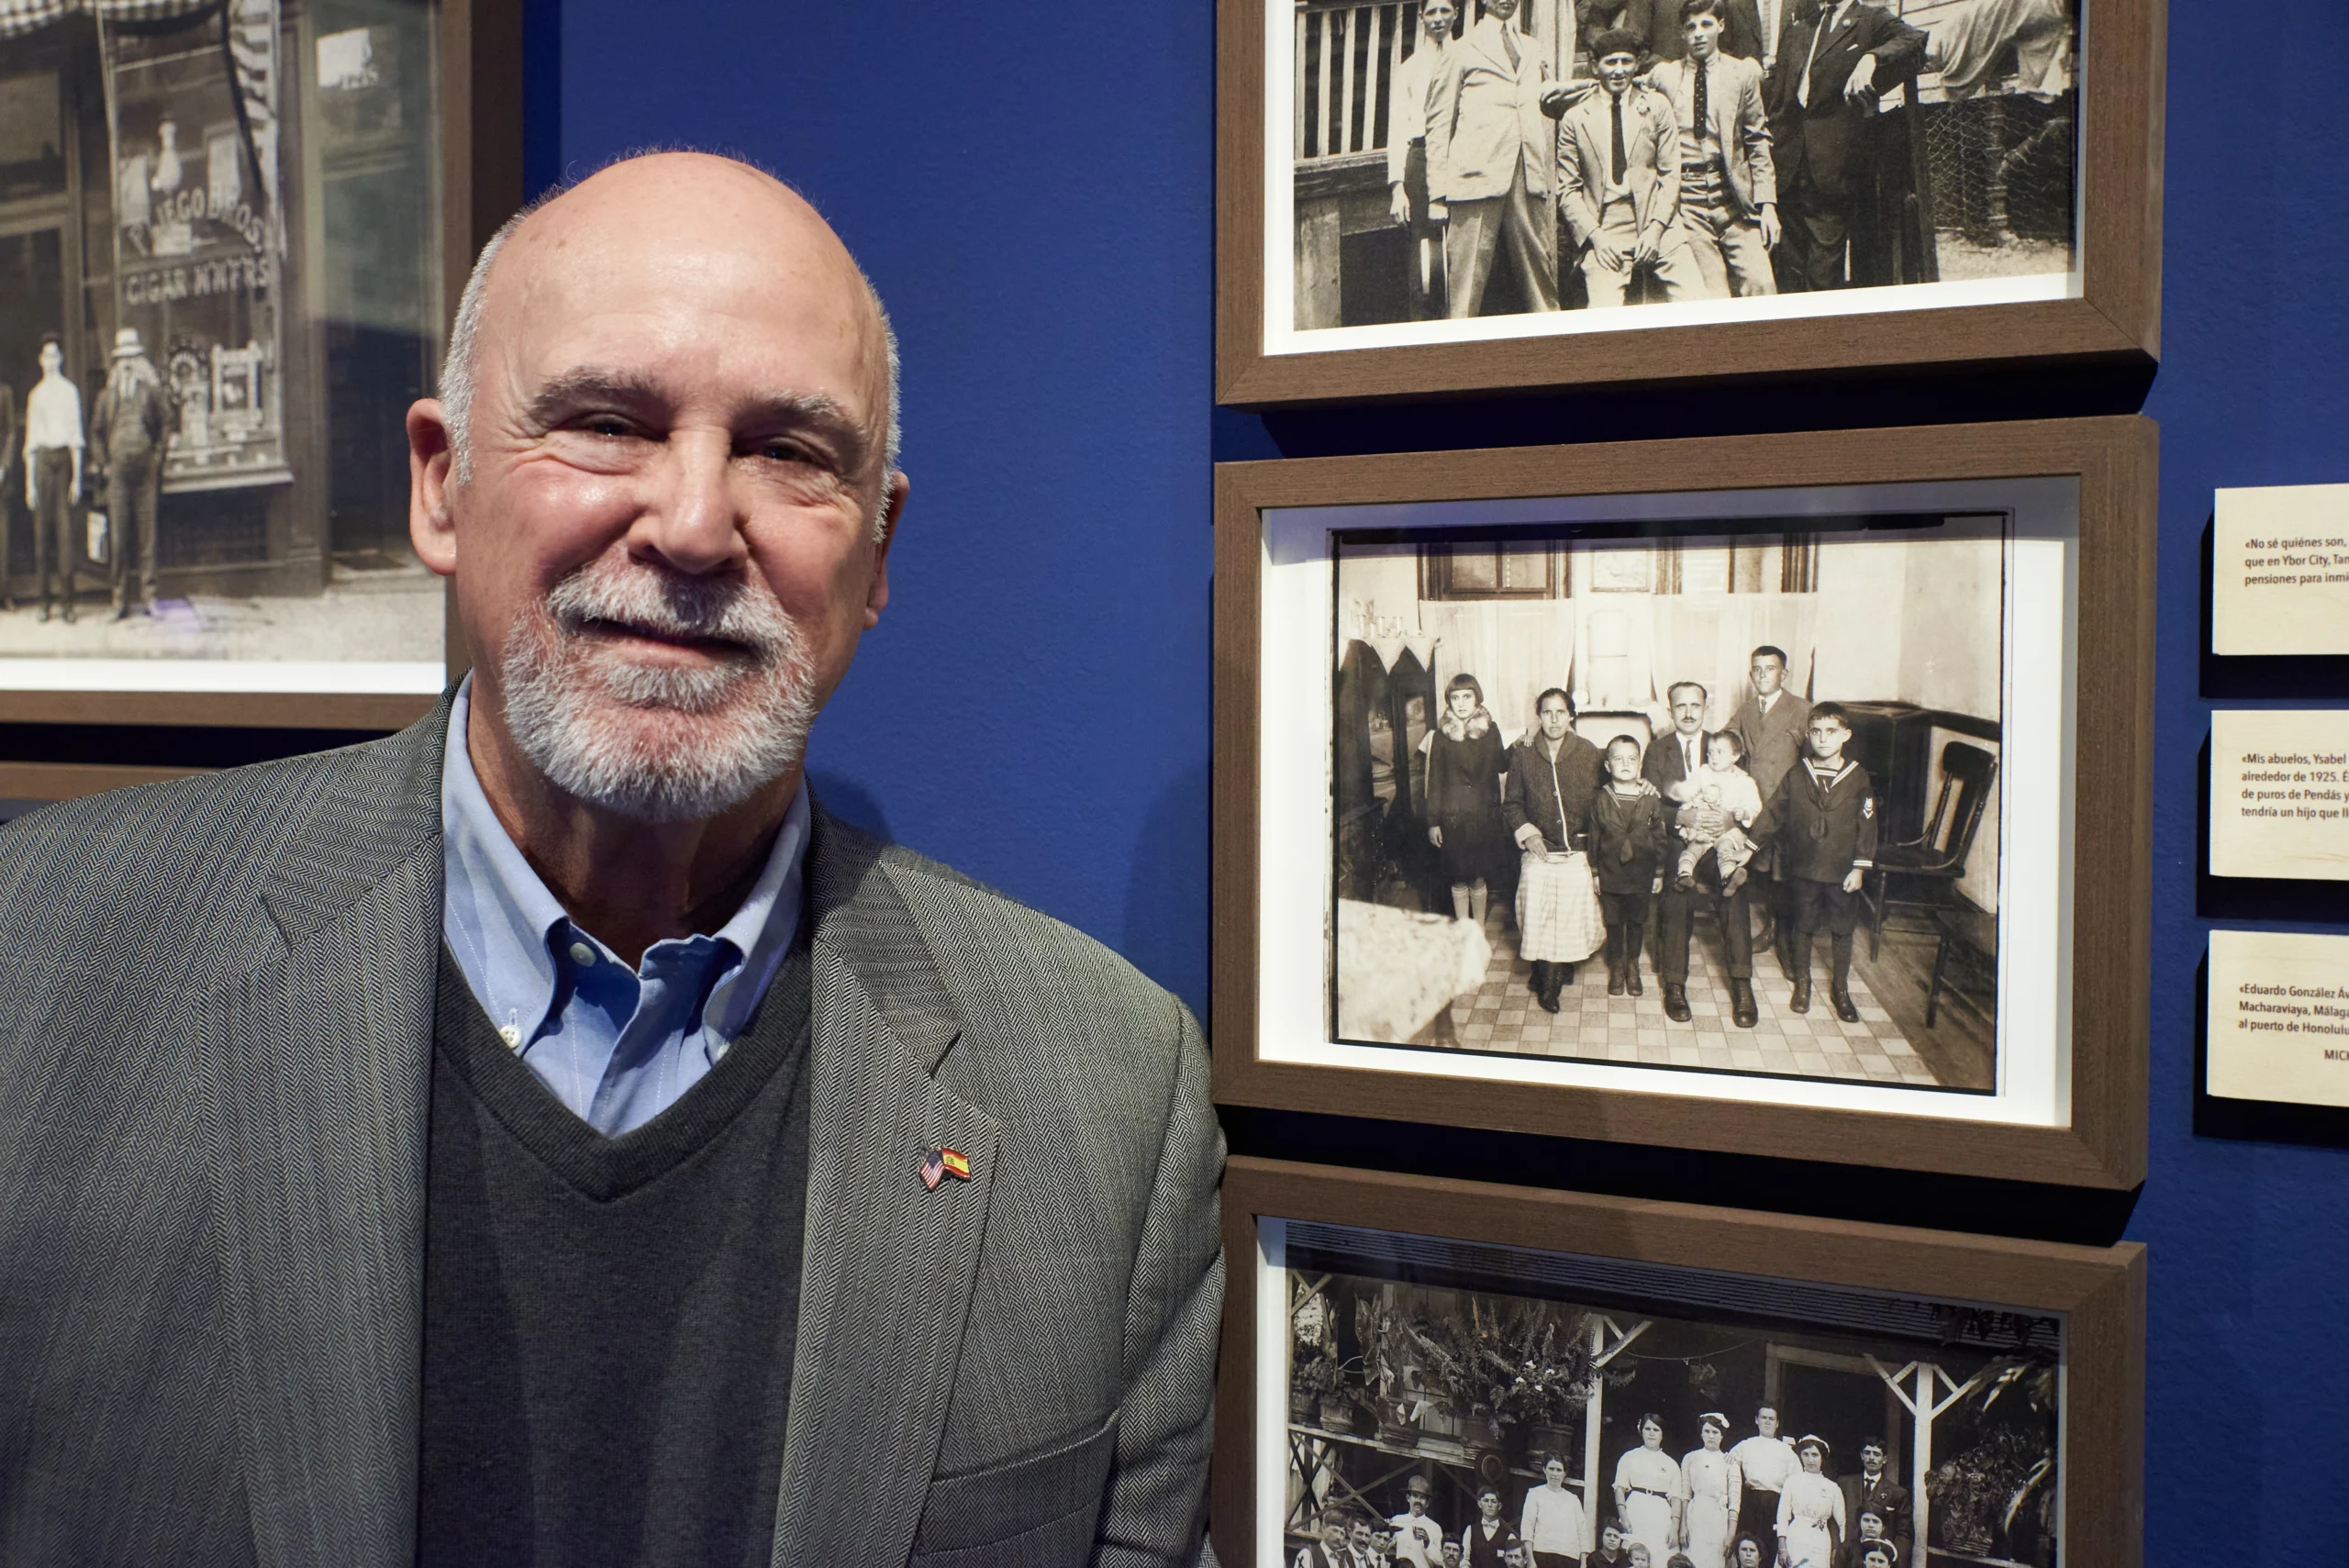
[729,610]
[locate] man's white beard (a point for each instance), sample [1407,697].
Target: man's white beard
[654,743]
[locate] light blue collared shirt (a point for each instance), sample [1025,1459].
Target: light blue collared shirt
[618,1045]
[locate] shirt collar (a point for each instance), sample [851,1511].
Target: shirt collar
[498,914]
[499,917]
[763,930]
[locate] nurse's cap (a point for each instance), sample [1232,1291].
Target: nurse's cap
[1715,1418]
[1813,1440]
[1869,1551]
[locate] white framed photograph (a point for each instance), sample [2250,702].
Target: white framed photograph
[1732,815]
[227,232]
[1430,195]
[1427,1372]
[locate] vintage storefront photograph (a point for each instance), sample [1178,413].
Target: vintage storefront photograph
[221,232]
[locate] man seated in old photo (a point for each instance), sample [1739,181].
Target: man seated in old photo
[547,1135]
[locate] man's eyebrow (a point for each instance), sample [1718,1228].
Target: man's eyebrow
[817,413]
[567,392]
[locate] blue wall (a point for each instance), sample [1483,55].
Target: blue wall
[1030,186]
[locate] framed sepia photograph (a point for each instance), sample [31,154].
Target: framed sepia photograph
[1445,195]
[1719,793]
[1422,1372]
[232,233]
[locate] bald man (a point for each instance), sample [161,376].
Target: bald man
[547,1135]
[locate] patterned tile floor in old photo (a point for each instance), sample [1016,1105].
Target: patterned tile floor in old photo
[1503,1016]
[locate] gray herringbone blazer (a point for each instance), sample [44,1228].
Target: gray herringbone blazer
[214,1041]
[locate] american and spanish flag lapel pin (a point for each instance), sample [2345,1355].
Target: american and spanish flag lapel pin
[937,1164]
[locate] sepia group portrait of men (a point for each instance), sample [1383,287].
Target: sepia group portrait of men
[1666,150]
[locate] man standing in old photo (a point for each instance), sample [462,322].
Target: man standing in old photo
[54,451]
[1409,99]
[1491,154]
[1775,724]
[127,430]
[547,1135]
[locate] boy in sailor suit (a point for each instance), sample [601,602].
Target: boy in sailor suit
[1824,818]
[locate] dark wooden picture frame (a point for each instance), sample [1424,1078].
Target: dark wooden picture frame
[2100,1291]
[2114,317]
[481,182]
[2103,1146]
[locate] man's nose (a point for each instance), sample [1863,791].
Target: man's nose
[692,521]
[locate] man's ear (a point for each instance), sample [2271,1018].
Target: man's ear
[893,506]
[430,456]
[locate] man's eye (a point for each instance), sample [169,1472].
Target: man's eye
[605,425]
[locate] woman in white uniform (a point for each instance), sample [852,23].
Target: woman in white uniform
[1648,1492]
[1810,1511]
[1713,1486]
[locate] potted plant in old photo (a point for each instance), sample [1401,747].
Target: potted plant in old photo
[1505,1370]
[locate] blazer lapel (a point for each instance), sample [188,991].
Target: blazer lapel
[1489,49]
[888,1265]
[325,1060]
[1834,40]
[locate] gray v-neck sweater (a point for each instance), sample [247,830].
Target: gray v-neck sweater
[609,1322]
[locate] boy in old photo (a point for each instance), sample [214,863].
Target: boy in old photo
[1824,817]
[1627,839]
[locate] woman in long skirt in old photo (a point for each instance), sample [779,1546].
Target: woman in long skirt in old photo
[1464,765]
[1648,1491]
[1810,1512]
[1546,800]
[1714,1484]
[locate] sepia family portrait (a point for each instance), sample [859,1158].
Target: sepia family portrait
[1723,798]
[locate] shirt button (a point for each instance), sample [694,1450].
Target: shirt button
[583,955]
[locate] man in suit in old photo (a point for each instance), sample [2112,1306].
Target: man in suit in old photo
[1618,183]
[1672,759]
[1490,152]
[1775,724]
[1872,1489]
[129,428]
[1728,186]
[1831,72]
[1409,99]
[548,1134]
